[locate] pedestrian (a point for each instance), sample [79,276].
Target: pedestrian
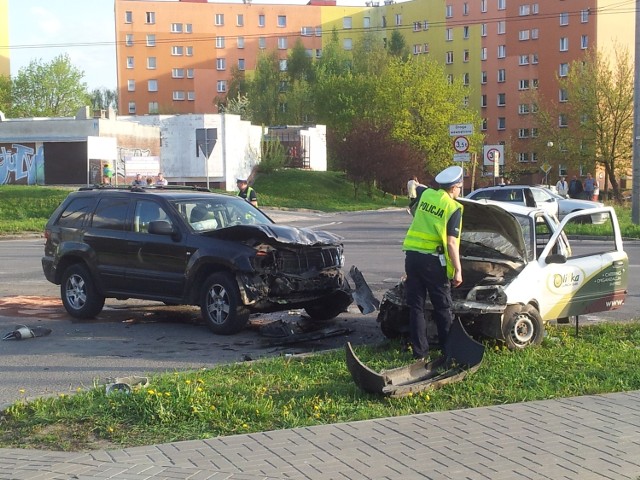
[589,186]
[161,181]
[562,186]
[412,185]
[138,182]
[432,258]
[575,187]
[149,181]
[107,173]
[246,192]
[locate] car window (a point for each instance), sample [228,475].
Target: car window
[481,194]
[111,214]
[206,214]
[541,195]
[74,215]
[513,195]
[145,212]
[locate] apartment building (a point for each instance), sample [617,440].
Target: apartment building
[176,56]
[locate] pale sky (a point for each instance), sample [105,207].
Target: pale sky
[84,29]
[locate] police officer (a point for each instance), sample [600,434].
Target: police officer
[432,261]
[246,192]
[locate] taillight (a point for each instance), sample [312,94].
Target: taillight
[47,234]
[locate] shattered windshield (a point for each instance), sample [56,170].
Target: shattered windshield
[489,243]
[206,214]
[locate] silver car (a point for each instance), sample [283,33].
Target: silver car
[532,196]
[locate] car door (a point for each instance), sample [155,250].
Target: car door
[546,201]
[157,262]
[592,277]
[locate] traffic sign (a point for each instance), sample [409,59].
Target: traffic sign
[545,167]
[461,144]
[462,157]
[462,129]
[492,152]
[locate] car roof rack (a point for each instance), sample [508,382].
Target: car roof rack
[144,188]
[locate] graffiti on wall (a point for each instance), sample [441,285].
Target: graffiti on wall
[124,152]
[21,164]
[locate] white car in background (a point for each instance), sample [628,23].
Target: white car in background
[532,196]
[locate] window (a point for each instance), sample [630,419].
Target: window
[128,39]
[502,99]
[347,23]
[318,31]
[398,19]
[450,79]
[150,17]
[534,83]
[177,73]
[564,18]
[282,43]
[282,21]
[188,51]
[523,133]
[425,25]
[130,63]
[483,101]
[465,78]
[221,63]
[523,85]
[502,27]
[483,53]
[449,11]
[240,20]
[191,96]
[111,213]
[283,65]
[132,107]
[306,31]
[485,125]
[584,16]
[190,72]
[584,42]
[219,19]
[262,43]
[176,28]
[483,30]
[534,9]
[563,70]
[483,77]
[131,85]
[465,55]
[417,49]
[178,95]
[535,33]
[525,10]
[483,6]
[502,75]
[318,52]
[502,51]
[523,108]
[219,42]
[563,95]
[416,26]
[241,64]
[465,32]
[523,60]
[177,50]
[534,132]
[449,58]
[366,22]
[151,63]
[523,157]
[449,34]
[564,44]
[425,48]
[502,4]
[128,17]
[562,121]
[151,40]
[188,28]
[153,107]
[502,123]
[152,85]
[240,42]
[465,8]
[524,34]
[534,58]
[261,20]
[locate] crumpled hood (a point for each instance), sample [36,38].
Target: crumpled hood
[280,233]
[486,217]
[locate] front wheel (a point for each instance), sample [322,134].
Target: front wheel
[329,307]
[523,327]
[79,294]
[220,305]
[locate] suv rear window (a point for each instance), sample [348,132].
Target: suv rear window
[111,214]
[74,215]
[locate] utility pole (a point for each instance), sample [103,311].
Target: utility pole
[635,191]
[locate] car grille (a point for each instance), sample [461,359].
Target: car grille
[309,259]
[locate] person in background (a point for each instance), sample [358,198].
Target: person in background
[138,182]
[246,192]
[562,186]
[149,181]
[575,187]
[412,185]
[161,181]
[107,174]
[589,186]
[432,261]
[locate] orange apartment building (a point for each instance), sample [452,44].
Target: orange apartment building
[176,56]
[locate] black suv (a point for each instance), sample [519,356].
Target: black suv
[189,247]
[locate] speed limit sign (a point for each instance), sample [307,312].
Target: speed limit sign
[461,144]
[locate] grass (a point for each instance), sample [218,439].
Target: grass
[287,392]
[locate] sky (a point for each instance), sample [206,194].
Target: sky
[84,29]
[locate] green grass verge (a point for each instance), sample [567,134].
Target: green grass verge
[288,392]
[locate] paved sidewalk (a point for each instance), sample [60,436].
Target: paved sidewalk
[590,437]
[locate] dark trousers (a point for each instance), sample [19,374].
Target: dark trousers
[425,275]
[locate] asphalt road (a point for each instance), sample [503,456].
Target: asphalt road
[138,338]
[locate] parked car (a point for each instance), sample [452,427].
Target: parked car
[519,271]
[533,196]
[189,247]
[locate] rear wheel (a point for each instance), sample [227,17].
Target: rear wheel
[220,305]
[79,294]
[524,327]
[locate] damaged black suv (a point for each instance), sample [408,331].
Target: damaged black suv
[189,247]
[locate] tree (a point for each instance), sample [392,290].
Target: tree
[103,99]
[264,89]
[5,95]
[53,89]
[398,46]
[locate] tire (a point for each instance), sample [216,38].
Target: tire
[394,320]
[79,294]
[523,328]
[220,305]
[329,307]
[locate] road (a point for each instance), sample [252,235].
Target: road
[136,338]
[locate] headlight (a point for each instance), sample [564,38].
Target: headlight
[488,294]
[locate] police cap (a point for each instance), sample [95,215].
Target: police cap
[450,176]
[241,180]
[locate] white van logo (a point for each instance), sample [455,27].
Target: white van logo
[567,282]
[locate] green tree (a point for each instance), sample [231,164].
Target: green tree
[5,95]
[299,64]
[103,98]
[264,91]
[398,46]
[53,89]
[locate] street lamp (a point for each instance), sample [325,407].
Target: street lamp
[546,173]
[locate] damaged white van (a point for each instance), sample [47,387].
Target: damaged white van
[520,270]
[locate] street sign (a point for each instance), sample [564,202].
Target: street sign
[462,129]
[489,153]
[461,157]
[461,144]
[545,167]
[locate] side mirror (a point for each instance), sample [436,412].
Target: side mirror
[555,258]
